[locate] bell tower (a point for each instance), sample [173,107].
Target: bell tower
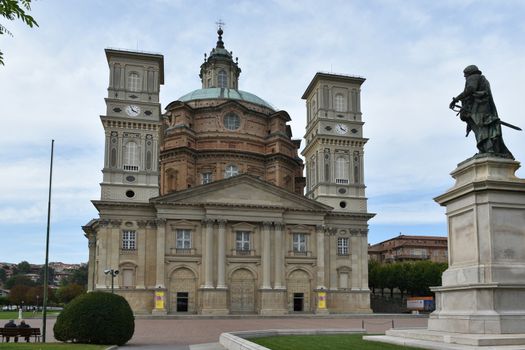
[334,142]
[132,126]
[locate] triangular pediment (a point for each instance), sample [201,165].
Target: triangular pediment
[243,190]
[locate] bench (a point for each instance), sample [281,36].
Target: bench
[20,333]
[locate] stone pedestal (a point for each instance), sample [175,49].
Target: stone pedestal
[273,302]
[214,301]
[483,290]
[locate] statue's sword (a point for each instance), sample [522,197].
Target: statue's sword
[501,121]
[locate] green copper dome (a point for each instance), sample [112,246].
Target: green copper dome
[226,94]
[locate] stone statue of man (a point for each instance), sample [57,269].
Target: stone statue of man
[479,112]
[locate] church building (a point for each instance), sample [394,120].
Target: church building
[204,208]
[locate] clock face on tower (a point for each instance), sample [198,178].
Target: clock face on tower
[133,110]
[341,129]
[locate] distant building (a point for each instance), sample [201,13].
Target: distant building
[410,248]
[4,293]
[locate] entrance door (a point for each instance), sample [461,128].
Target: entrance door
[298,291]
[182,302]
[298,301]
[183,291]
[242,292]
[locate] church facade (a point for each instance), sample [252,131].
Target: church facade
[204,208]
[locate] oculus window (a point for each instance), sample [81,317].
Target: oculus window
[232,121]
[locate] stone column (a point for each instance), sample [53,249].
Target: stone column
[92,245]
[266,255]
[221,255]
[355,254]
[103,235]
[161,252]
[332,241]
[278,258]
[320,256]
[114,251]
[141,254]
[364,259]
[208,254]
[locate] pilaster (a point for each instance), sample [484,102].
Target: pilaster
[221,255]
[161,253]
[208,254]
[320,257]
[278,249]
[266,262]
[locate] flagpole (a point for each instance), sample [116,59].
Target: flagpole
[44,313]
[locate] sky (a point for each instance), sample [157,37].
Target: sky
[411,52]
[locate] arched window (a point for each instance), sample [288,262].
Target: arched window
[231,170]
[222,79]
[339,103]
[341,170]
[131,157]
[134,82]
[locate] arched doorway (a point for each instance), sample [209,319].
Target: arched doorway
[242,292]
[183,291]
[299,291]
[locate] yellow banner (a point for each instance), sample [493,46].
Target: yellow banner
[159,300]
[321,298]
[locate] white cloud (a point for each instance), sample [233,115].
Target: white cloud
[411,52]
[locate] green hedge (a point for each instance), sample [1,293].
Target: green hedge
[96,318]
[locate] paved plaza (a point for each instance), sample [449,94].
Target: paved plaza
[178,333]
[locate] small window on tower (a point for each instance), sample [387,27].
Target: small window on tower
[134,82]
[222,79]
[339,103]
[206,178]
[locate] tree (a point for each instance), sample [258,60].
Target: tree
[3,275]
[50,275]
[78,276]
[373,275]
[96,318]
[69,292]
[11,9]
[19,294]
[18,280]
[23,267]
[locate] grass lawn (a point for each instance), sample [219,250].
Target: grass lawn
[50,346]
[13,315]
[9,315]
[324,342]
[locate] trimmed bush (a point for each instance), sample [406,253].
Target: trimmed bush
[96,318]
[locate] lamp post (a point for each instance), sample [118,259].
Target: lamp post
[37,297]
[113,274]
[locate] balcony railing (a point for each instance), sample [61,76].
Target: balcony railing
[131,167]
[182,251]
[341,181]
[305,253]
[243,252]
